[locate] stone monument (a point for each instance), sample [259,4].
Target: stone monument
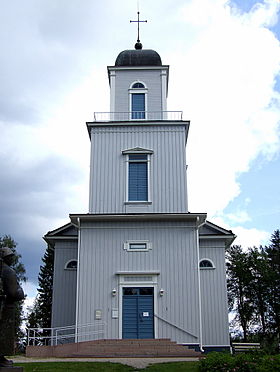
[10,293]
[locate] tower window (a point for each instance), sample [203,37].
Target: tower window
[138,85]
[138,177]
[138,105]
[138,100]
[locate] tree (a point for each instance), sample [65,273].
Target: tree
[254,289]
[18,266]
[40,315]
[260,286]
[273,256]
[239,279]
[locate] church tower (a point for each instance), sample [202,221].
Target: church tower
[138,158]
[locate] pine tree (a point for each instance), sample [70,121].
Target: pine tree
[260,287]
[273,254]
[40,315]
[254,290]
[239,280]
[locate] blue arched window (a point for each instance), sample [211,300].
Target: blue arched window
[71,265]
[138,92]
[205,263]
[138,85]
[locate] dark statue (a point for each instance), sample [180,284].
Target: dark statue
[10,293]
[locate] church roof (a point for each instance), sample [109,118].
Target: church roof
[68,231]
[211,231]
[138,57]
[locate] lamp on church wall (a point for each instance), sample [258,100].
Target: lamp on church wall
[161,292]
[114,292]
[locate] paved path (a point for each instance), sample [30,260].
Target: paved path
[133,362]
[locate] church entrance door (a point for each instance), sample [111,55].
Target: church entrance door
[138,313]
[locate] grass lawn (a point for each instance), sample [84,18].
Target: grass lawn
[74,367]
[173,366]
[106,367]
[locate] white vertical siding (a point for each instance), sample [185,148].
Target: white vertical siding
[168,169]
[214,294]
[173,254]
[64,285]
[151,79]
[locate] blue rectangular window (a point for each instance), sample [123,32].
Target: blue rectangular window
[138,106]
[138,178]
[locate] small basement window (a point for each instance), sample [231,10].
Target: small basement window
[137,246]
[205,263]
[71,265]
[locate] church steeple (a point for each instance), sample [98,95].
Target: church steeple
[138,155]
[138,82]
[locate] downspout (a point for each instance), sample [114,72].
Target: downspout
[199,289]
[78,274]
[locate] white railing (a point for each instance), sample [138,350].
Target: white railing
[138,116]
[62,335]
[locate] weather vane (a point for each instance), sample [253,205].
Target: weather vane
[138,21]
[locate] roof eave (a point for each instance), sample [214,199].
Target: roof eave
[199,218]
[228,238]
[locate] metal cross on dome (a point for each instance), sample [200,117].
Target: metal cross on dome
[138,21]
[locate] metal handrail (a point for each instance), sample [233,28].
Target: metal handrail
[175,326]
[52,336]
[138,116]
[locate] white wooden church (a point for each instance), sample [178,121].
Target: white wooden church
[139,264]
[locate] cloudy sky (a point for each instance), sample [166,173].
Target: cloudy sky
[224,59]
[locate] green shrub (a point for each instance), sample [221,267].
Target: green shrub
[253,362]
[269,363]
[216,362]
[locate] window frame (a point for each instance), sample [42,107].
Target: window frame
[206,268]
[71,268]
[148,161]
[132,91]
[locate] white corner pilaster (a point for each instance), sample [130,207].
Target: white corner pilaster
[112,90]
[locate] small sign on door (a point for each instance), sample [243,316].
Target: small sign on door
[145,313]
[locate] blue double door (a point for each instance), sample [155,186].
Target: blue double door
[138,313]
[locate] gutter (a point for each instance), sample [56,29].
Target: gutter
[199,288]
[78,275]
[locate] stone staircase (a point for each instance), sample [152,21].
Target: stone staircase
[115,348]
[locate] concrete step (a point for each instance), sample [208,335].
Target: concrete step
[124,348]
[116,348]
[130,341]
[134,350]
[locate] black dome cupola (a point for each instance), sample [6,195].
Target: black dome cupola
[138,57]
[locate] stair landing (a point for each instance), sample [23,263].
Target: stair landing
[114,348]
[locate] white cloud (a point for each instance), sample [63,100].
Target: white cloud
[238,217]
[246,237]
[226,82]
[30,290]
[264,14]
[249,238]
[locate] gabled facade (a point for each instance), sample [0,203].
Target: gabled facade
[145,266]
